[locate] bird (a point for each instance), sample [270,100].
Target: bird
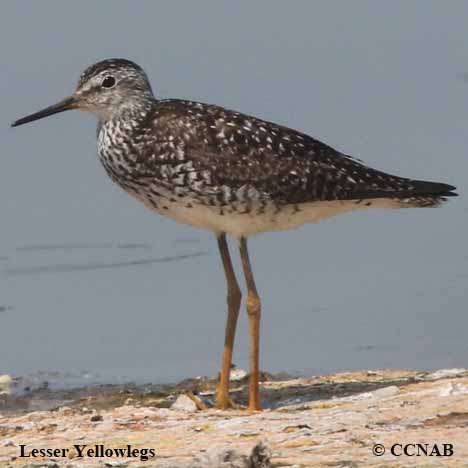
[231,173]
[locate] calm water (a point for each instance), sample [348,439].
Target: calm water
[92,284]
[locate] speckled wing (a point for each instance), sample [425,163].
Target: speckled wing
[234,152]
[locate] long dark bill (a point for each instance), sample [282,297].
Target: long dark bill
[64,105]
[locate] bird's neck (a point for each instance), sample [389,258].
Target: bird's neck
[129,113]
[117,132]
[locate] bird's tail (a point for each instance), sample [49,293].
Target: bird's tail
[398,192]
[424,194]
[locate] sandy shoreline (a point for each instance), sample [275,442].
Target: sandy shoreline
[330,421]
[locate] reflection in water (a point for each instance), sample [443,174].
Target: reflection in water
[70,267]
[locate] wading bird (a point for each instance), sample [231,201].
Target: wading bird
[228,172]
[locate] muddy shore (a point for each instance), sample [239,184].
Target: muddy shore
[329,421]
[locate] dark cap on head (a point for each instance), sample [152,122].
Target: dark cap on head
[108,65]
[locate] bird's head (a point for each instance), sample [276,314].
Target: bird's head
[107,89]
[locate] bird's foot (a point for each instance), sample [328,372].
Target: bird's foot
[224,402]
[198,401]
[254,407]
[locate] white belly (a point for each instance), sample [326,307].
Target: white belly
[245,224]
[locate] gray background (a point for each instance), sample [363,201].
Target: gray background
[383,81]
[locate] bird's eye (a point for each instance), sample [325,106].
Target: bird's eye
[108,82]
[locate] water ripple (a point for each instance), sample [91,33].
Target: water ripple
[71,267]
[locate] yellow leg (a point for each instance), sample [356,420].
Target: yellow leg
[253,312]
[233,301]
